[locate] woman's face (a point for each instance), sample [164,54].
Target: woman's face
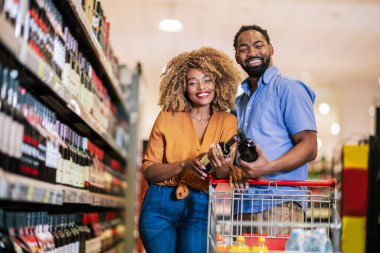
[200,88]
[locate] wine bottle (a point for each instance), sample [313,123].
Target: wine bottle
[5,242]
[226,149]
[246,147]
[5,118]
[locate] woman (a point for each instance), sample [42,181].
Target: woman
[196,89]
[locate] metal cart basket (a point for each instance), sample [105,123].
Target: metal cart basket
[316,201]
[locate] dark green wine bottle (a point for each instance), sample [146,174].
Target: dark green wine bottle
[246,147]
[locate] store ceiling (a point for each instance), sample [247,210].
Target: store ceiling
[323,42]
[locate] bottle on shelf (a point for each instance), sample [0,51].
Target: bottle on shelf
[5,119]
[5,241]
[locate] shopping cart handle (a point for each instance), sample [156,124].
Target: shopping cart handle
[329,183]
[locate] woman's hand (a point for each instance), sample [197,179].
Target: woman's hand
[195,165]
[220,163]
[238,179]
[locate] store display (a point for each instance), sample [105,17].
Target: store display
[63,130]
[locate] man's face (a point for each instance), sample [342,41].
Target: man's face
[253,53]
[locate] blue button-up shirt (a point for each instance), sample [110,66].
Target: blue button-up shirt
[278,109]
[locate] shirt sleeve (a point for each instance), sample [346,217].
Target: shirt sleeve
[155,149]
[297,108]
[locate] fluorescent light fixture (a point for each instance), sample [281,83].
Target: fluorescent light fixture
[324,108]
[335,128]
[170,25]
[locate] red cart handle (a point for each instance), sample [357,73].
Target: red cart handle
[329,183]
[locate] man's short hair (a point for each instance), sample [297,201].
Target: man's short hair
[251,27]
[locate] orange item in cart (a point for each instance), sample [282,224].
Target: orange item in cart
[260,247]
[239,246]
[220,245]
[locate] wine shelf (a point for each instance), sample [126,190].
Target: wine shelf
[39,68]
[19,188]
[72,10]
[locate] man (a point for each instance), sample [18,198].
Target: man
[275,111]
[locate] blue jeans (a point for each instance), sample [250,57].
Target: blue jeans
[170,225]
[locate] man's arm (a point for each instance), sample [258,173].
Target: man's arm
[304,151]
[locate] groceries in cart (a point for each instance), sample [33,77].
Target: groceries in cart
[309,241]
[239,246]
[260,247]
[318,229]
[220,245]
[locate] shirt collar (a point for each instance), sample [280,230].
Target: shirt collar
[264,79]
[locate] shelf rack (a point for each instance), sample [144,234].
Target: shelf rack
[74,15]
[23,189]
[40,69]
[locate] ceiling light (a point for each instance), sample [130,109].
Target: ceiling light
[335,128]
[324,108]
[170,25]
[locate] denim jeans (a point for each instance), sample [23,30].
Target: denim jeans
[173,226]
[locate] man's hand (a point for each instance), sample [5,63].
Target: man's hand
[261,167]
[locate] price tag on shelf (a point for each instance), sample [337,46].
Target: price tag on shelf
[40,69]
[47,197]
[19,191]
[57,197]
[96,200]
[71,196]
[4,186]
[38,194]
[29,194]
[84,198]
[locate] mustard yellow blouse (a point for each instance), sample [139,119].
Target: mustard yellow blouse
[174,139]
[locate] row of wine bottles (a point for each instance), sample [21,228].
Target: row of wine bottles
[40,23]
[100,27]
[34,143]
[36,232]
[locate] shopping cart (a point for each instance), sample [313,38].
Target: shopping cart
[317,199]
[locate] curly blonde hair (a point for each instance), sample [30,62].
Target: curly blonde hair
[208,60]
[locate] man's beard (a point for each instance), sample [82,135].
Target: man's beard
[257,71]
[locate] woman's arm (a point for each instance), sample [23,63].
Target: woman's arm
[160,172]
